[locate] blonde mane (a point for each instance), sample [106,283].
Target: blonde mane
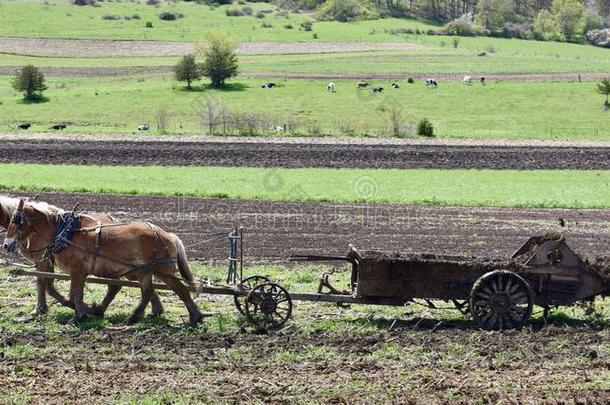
[8,205]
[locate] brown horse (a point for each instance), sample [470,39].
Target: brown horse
[136,250]
[34,253]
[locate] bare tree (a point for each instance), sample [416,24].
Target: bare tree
[212,115]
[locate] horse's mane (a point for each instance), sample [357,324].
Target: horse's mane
[8,205]
[48,210]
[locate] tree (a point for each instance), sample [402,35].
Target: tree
[603,88]
[494,14]
[31,82]
[546,27]
[220,59]
[187,70]
[570,16]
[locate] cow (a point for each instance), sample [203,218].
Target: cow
[431,83]
[395,85]
[483,80]
[24,125]
[277,128]
[331,87]
[268,85]
[143,127]
[363,85]
[467,80]
[58,127]
[377,89]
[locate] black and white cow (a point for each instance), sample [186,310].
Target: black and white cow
[431,83]
[268,85]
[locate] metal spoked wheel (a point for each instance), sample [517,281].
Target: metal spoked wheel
[501,300]
[268,306]
[248,284]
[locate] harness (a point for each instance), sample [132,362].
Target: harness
[69,224]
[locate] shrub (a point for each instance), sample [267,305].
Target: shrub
[425,128]
[111,17]
[148,24]
[135,17]
[340,10]
[260,14]
[399,31]
[247,10]
[307,25]
[515,30]
[166,16]
[234,12]
[599,37]
[455,41]
[153,2]
[315,35]
[410,80]
[459,26]
[30,81]
[288,26]
[85,2]
[266,25]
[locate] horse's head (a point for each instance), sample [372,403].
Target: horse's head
[20,226]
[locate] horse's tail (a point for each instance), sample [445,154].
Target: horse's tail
[183,264]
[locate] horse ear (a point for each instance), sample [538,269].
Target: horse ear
[21,204]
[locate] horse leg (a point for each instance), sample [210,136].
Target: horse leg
[77,286]
[146,286]
[100,309]
[157,306]
[41,290]
[50,286]
[184,294]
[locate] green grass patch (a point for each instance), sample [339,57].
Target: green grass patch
[61,19]
[507,188]
[499,110]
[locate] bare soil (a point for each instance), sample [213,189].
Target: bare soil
[275,230]
[110,48]
[273,154]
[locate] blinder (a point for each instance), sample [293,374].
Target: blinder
[19,219]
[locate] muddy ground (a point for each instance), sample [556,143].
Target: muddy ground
[412,365]
[304,155]
[275,230]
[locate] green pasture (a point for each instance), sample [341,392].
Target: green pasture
[61,19]
[498,110]
[506,188]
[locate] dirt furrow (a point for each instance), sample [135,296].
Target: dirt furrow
[303,155]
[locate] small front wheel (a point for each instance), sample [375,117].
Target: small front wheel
[268,306]
[501,300]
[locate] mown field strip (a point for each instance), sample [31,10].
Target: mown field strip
[509,188]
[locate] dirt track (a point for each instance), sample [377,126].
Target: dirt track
[274,230]
[112,48]
[303,155]
[155,70]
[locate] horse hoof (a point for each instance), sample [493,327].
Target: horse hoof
[196,320]
[40,311]
[132,320]
[97,310]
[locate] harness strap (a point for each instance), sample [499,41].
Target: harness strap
[98,232]
[132,266]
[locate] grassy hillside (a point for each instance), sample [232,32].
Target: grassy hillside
[61,19]
[508,188]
